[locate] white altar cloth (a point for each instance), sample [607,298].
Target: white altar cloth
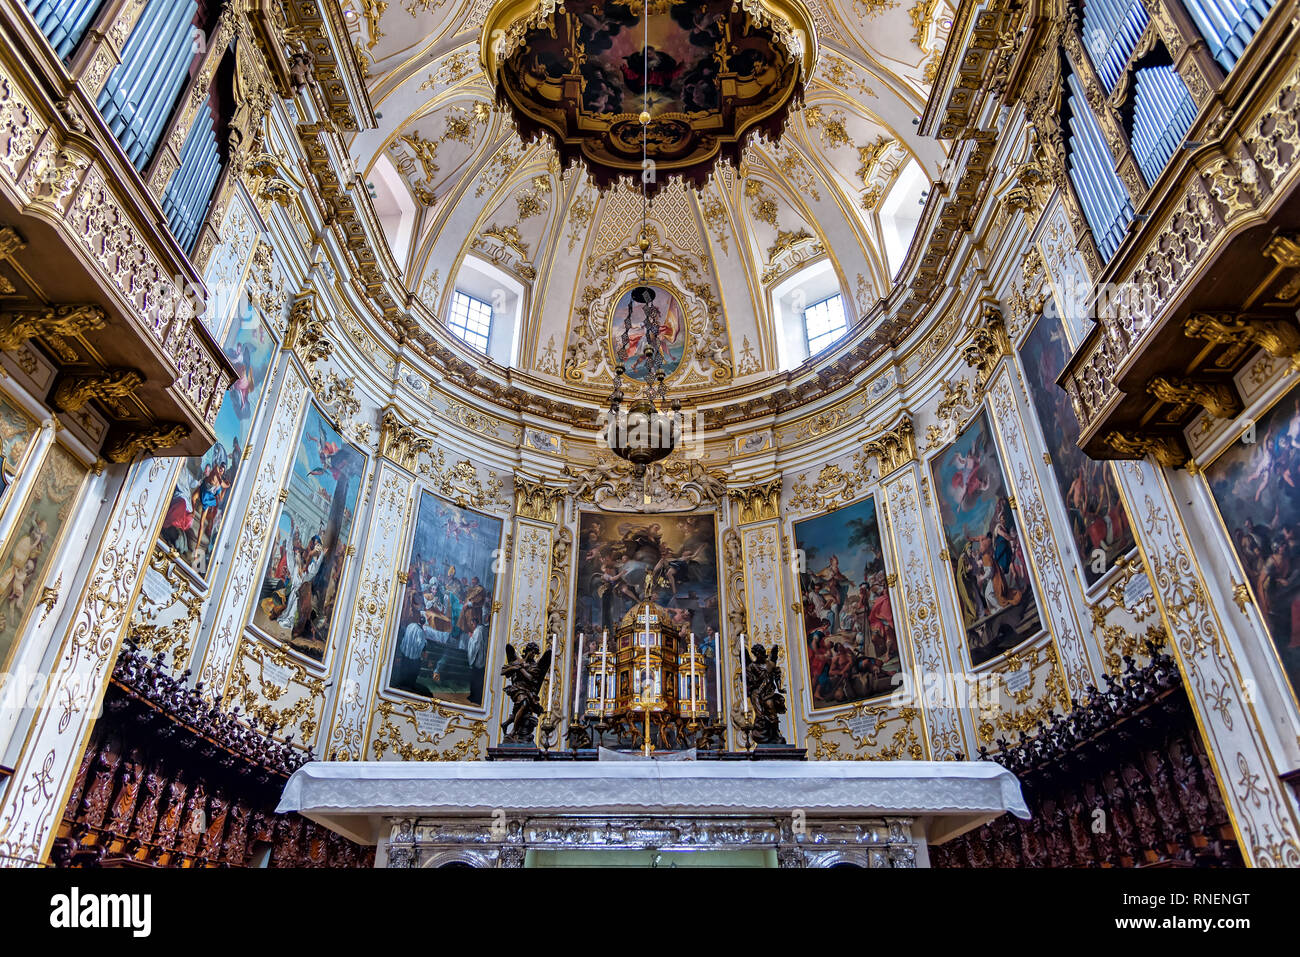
[358,798]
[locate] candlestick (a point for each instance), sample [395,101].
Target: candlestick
[717,670]
[604,664]
[577,672]
[550,692]
[744,681]
[691,674]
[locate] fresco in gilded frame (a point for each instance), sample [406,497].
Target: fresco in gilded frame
[444,628]
[197,510]
[848,620]
[674,557]
[634,312]
[1099,524]
[16,431]
[1256,485]
[26,556]
[994,590]
[300,584]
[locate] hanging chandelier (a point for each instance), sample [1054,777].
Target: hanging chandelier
[709,74]
[650,427]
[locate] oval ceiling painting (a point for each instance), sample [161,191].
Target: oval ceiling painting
[648,314]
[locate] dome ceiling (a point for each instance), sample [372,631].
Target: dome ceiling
[466,202]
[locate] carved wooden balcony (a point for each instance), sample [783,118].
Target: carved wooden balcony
[90,272]
[1210,273]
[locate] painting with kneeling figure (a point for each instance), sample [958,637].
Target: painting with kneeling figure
[445,624]
[994,589]
[671,559]
[848,619]
[301,582]
[1256,483]
[1099,524]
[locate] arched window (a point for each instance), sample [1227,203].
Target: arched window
[824,323]
[471,319]
[1111,30]
[487,308]
[63,22]
[1228,25]
[808,312]
[1163,111]
[1105,201]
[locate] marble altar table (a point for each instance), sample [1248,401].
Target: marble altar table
[798,813]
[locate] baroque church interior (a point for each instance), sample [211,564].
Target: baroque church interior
[543,432]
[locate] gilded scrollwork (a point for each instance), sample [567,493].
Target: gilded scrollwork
[844,737]
[461,482]
[428,731]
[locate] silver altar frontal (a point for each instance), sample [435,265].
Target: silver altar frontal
[624,813]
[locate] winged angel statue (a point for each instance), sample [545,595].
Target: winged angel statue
[766,696]
[524,675]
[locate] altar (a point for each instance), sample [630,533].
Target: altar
[652,812]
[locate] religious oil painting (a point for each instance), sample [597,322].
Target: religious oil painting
[1099,523]
[671,559]
[16,431]
[303,575]
[652,318]
[26,555]
[848,620]
[1256,483]
[198,503]
[994,590]
[444,628]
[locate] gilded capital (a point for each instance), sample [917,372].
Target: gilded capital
[535,499]
[894,447]
[306,332]
[987,344]
[399,442]
[758,503]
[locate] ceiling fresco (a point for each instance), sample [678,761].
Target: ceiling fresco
[456,183]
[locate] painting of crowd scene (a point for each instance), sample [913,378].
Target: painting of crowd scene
[198,503]
[1099,522]
[444,629]
[1256,483]
[671,559]
[848,621]
[296,601]
[994,590]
